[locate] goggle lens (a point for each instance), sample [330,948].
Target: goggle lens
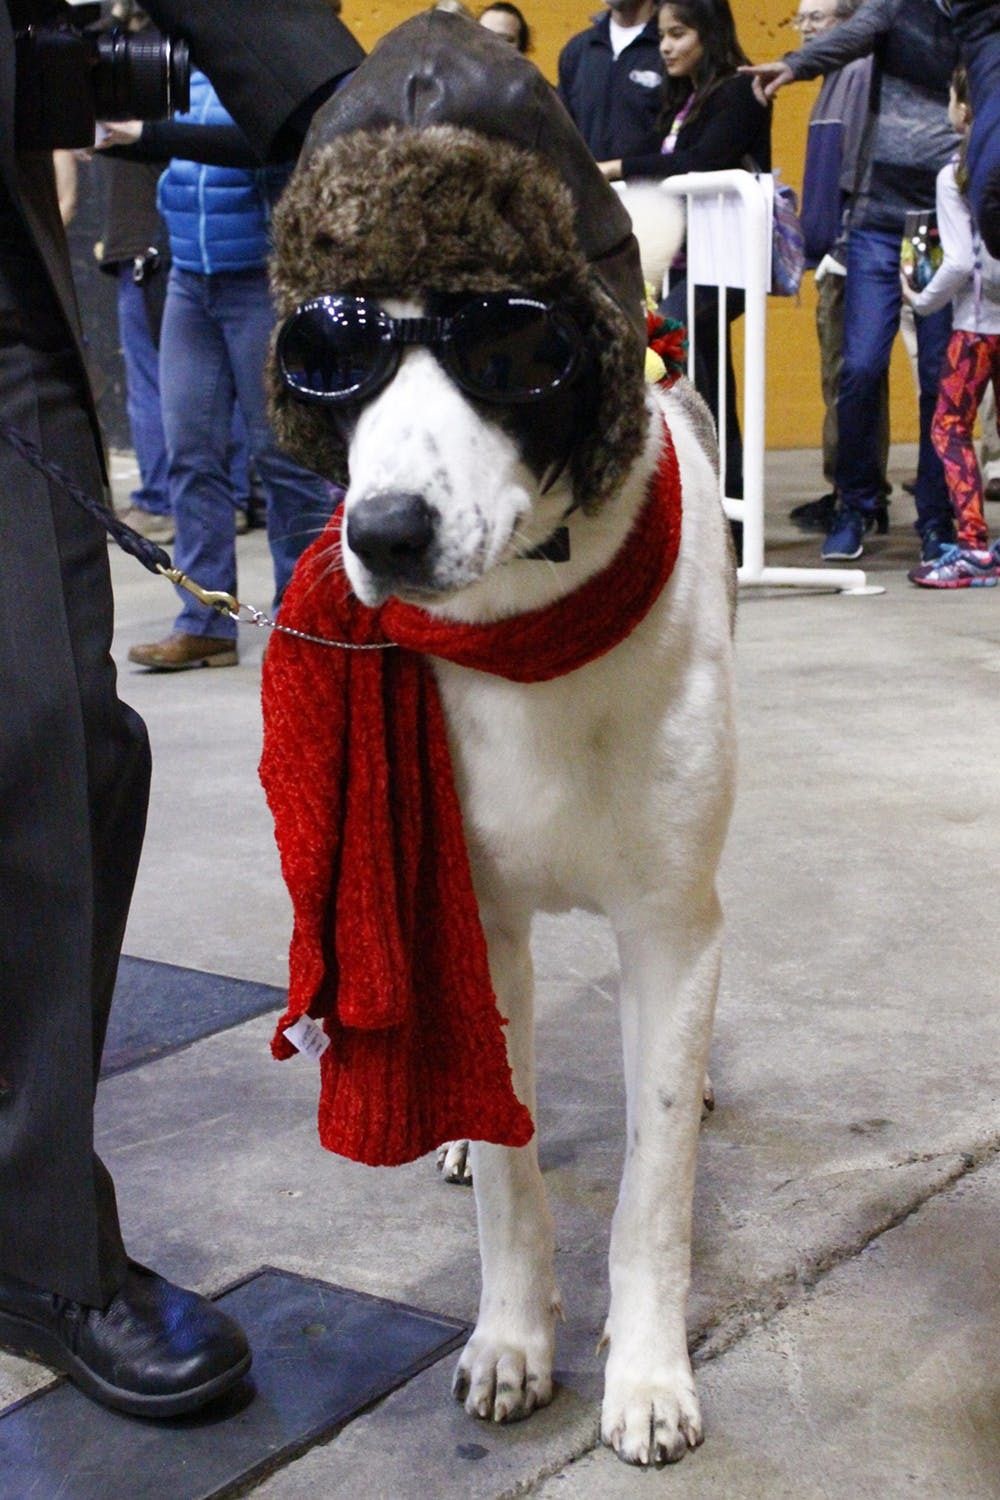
[512,350]
[334,348]
[504,348]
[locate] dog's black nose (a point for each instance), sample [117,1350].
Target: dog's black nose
[391,533]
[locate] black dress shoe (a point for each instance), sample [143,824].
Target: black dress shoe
[156,1350]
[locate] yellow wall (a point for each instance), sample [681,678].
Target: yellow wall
[794,407]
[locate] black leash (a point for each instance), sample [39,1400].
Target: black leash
[148,553]
[153,557]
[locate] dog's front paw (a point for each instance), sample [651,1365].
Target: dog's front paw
[454,1163]
[653,1419]
[503,1382]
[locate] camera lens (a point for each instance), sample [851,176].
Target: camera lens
[140,75]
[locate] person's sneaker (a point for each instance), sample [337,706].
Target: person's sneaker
[958,568]
[815,515]
[157,1350]
[154,527]
[935,540]
[179,651]
[991,490]
[845,539]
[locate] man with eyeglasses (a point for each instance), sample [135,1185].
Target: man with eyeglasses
[907,139]
[814,19]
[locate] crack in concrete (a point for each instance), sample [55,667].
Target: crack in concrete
[790,1289]
[548,1471]
[795,1285]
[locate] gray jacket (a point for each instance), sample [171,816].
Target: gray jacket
[907,137]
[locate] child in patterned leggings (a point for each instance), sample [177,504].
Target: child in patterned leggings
[969,278]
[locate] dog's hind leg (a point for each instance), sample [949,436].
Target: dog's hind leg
[670,971]
[453,1162]
[505,1370]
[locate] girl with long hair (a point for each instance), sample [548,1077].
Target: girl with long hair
[711,121]
[710,117]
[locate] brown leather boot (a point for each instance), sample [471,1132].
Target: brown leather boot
[179,651]
[150,524]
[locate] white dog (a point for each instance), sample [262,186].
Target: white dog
[606,789]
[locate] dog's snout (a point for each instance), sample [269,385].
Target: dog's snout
[391,532]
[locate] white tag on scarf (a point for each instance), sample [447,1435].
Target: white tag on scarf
[308,1037]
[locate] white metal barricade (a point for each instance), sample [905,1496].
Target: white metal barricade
[729,245]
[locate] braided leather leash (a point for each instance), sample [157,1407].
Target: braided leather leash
[153,557]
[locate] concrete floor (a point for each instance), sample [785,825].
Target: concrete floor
[845,1308]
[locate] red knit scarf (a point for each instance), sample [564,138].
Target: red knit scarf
[387,944]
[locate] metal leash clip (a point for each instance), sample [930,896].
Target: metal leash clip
[215,599]
[155,560]
[227,604]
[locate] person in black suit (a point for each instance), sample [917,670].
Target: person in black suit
[74,760]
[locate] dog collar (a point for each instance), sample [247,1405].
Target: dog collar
[555,548]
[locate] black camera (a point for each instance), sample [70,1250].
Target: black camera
[72,71]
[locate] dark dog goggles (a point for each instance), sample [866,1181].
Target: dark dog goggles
[501,348]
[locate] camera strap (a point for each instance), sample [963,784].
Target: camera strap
[152,556]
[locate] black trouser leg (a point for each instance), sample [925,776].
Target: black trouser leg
[74,773]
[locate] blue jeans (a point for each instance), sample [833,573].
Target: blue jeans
[142,395]
[872,303]
[212,351]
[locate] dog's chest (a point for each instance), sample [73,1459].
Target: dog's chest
[537,770]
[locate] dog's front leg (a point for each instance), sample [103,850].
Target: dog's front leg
[505,1371]
[670,971]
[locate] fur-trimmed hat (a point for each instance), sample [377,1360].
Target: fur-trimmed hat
[447,164]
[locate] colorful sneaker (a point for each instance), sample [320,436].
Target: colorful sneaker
[958,568]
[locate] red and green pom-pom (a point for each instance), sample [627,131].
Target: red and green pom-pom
[666,338]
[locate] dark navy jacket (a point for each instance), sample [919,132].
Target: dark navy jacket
[614,101]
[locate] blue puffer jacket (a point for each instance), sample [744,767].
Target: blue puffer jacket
[218,218]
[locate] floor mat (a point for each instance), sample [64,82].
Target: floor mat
[322,1354]
[160,1007]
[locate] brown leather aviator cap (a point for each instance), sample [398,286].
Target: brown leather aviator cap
[441,69]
